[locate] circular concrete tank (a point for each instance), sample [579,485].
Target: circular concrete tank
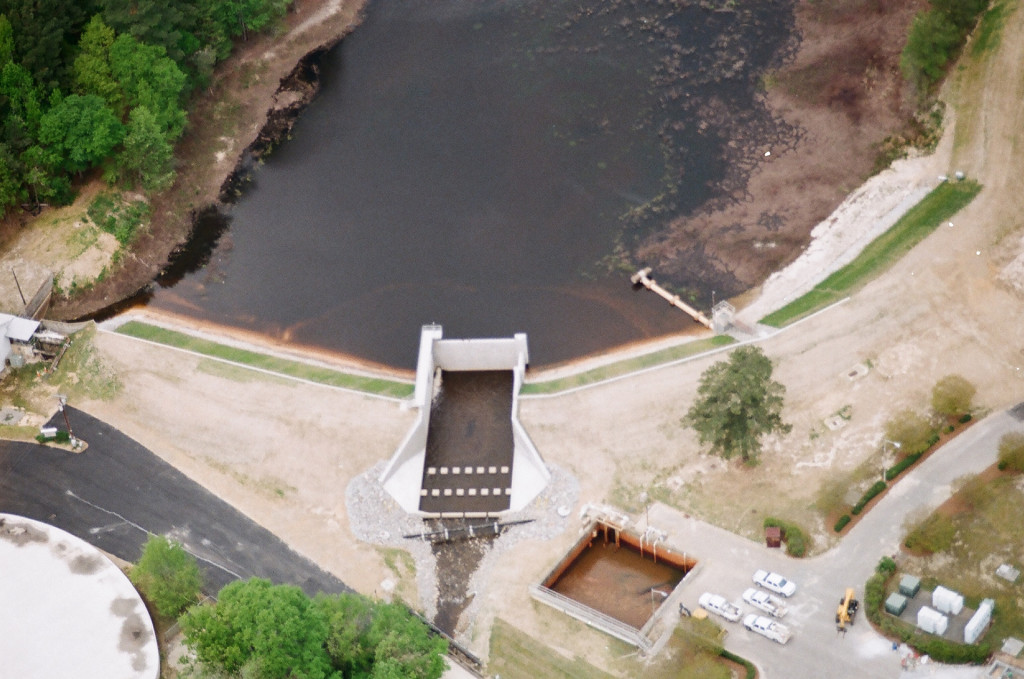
[67,610]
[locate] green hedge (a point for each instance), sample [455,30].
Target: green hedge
[874,596]
[939,649]
[60,437]
[795,538]
[874,490]
[751,670]
[841,523]
[901,466]
[950,651]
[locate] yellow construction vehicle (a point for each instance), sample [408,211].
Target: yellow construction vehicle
[847,610]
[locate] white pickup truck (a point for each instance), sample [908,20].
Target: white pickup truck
[765,601]
[719,605]
[767,627]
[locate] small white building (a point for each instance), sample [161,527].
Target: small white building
[14,329]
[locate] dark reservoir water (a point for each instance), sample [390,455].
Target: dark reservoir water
[477,163]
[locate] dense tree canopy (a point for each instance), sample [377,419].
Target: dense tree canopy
[277,632]
[76,74]
[737,403]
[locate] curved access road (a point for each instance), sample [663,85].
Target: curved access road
[116,493]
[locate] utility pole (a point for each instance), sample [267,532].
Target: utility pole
[62,401]
[22,294]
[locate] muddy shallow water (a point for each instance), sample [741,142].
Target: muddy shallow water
[488,166]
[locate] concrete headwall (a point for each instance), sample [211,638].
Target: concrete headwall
[480,354]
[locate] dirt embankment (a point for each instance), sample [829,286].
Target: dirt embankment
[251,103]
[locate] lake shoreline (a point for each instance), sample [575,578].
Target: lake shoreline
[254,99]
[316,26]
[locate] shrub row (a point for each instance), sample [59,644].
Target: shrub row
[60,437]
[869,495]
[751,670]
[841,523]
[901,466]
[874,597]
[795,538]
[950,651]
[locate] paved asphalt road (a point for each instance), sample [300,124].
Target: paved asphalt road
[729,561]
[117,492]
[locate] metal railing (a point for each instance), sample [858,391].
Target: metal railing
[589,616]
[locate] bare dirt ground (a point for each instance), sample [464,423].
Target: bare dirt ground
[284,452]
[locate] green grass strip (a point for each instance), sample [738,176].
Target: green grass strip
[281,366]
[990,29]
[628,365]
[913,227]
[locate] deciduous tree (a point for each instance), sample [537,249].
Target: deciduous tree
[147,77]
[952,396]
[255,623]
[274,631]
[1011,451]
[82,129]
[40,168]
[737,403]
[379,640]
[911,430]
[147,158]
[167,575]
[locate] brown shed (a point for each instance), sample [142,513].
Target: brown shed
[773,536]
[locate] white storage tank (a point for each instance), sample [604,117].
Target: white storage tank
[947,601]
[930,620]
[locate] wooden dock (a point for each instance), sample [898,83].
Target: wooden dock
[642,277]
